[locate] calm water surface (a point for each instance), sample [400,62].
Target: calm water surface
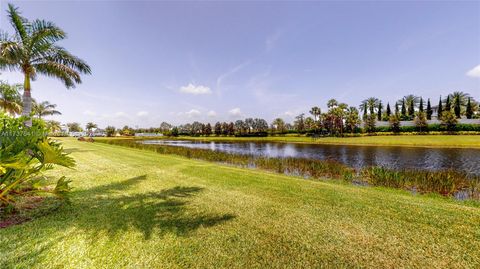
[466,160]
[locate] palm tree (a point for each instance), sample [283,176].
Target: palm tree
[332,103]
[10,99]
[370,103]
[459,101]
[44,109]
[53,126]
[352,119]
[33,50]
[315,111]
[460,97]
[411,101]
[91,126]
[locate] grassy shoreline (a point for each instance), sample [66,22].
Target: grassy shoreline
[175,212]
[429,141]
[445,182]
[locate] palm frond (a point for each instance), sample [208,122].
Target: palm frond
[45,31]
[18,22]
[61,56]
[56,70]
[11,53]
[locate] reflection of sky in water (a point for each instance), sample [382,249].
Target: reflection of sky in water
[467,160]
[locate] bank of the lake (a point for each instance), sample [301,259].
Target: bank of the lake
[136,208]
[464,160]
[437,141]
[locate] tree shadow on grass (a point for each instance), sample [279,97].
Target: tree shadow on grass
[110,210]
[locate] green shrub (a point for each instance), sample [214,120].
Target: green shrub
[25,153]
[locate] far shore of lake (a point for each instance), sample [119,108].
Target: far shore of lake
[428,141]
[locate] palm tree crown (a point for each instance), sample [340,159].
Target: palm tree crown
[54,126]
[91,126]
[370,103]
[44,108]
[33,50]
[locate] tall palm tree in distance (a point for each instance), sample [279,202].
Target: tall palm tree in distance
[90,126]
[44,108]
[33,50]
[371,104]
[315,111]
[54,126]
[460,97]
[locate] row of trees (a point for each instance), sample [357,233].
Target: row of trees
[337,120]
[460,103]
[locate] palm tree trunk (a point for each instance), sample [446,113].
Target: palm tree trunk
[27,101]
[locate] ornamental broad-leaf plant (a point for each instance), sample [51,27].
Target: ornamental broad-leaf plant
[25,155]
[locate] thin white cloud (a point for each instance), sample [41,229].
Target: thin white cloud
[235,112]
[229,73]
[475,72]
[142,113]
[193,113]
[195,89]
[212,113]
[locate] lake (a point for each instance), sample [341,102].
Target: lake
[465,160]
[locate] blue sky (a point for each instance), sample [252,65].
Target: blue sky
[178,62]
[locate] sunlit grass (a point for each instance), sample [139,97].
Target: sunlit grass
[138,209]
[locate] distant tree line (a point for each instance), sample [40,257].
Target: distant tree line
[337,120]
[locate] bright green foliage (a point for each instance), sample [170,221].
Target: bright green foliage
[421,121]
[25,154]
[449,120]
[352,120]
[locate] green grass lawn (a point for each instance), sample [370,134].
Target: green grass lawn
[139,209]
[443,141]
